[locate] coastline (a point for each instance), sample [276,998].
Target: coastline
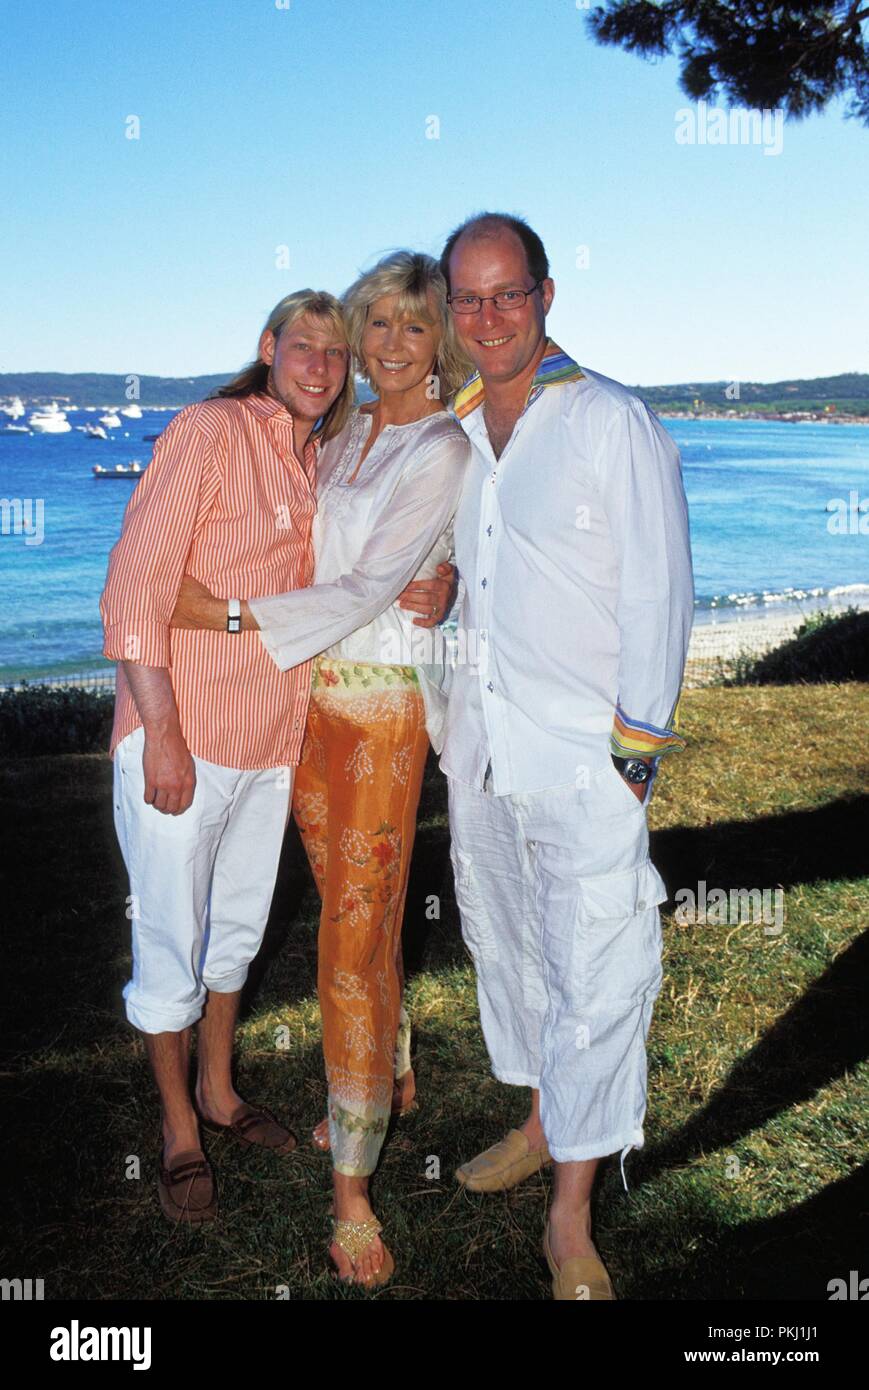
[719,635]
[723,635]
[766,418]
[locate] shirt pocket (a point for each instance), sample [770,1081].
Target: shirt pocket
[617,938]
[477,932]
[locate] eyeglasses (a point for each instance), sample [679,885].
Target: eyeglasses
[504,299]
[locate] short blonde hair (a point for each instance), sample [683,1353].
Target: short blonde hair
[253,378]
[416,279]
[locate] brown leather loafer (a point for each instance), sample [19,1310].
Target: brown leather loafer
[186,1188]
[503,1165]
[253,1124]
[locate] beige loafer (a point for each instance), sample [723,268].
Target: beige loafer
[504,1165]
[579,1280]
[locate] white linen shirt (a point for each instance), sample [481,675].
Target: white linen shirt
[578,592]
[371,537]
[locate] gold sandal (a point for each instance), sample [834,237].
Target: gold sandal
[354,1238]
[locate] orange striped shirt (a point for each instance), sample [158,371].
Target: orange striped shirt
[225,499]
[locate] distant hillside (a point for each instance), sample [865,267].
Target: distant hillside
[97,388]
[845,395]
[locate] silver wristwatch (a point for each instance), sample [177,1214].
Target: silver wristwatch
[233,615]
[632,769]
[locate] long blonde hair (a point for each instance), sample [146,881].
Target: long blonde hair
[413,277]
[253,378]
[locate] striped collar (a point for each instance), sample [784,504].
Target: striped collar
[554,369]
[267,407]
[273,412]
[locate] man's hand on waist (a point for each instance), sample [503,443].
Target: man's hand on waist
[198,609]
[433,598]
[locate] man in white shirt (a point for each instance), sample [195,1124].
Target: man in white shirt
[572,543]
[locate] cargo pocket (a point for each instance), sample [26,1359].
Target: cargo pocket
[477,932]
[617,948]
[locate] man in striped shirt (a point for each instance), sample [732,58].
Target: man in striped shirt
[207,729]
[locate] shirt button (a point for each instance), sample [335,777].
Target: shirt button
[484,582]
[488,530]
[641,904]
[490,686]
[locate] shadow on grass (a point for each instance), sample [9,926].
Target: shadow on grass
[793,1255]
[825,843]
[824,1035]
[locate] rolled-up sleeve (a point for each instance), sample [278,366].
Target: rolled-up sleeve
[298,625]
[644,500]
[146,565]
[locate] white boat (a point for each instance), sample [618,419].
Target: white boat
[94,431]
[49,419]
[15,429]
[120,470]
[111,420]
[132,412]
[16,409]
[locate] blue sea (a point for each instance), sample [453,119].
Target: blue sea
[758,495]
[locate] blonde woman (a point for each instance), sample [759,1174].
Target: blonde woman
[387,488]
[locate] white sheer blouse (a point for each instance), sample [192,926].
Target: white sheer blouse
[372,536]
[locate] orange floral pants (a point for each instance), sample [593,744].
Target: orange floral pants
[355,798]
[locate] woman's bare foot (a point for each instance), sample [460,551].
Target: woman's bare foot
[403,1095]
[403,1092]
[350,1203]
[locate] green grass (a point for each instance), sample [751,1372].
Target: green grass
[750,1184]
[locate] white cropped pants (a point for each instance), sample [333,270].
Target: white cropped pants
[201,883]
[559,910]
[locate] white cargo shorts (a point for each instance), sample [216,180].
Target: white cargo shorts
[559,909]
[201,883]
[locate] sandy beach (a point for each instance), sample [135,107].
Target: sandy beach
[753,633]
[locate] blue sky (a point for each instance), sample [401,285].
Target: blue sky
[305,127]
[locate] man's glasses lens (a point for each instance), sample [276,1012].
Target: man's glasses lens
[505,299]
